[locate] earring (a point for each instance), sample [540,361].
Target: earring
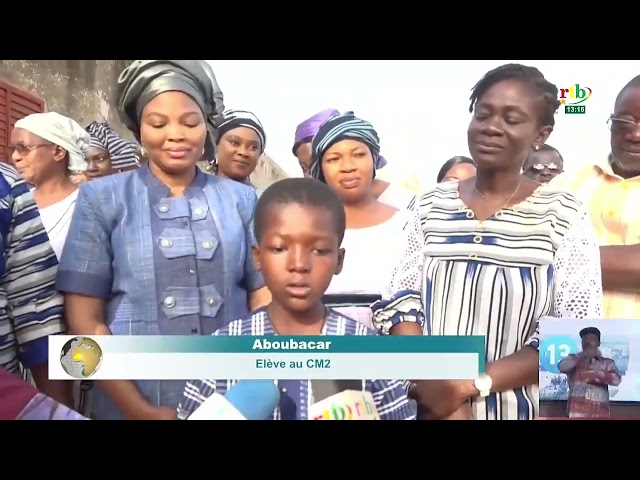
[143,152]
[536,147]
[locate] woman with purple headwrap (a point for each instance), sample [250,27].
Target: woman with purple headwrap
[385,192]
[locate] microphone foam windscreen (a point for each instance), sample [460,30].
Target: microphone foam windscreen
[254,399]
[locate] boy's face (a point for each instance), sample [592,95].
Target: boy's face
[298,255]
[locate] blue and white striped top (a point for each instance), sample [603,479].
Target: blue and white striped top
[498,277]
[31,308]
[390,396]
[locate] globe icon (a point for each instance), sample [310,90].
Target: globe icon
[81,357]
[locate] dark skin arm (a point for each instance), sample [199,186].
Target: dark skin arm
[443,399]
[513,371]
[620,267]
[59,390]
[259,298]
[86,317]
[411,328]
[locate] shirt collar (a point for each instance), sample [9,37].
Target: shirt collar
[604,168]
[331,324]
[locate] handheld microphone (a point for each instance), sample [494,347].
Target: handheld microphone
[341,400]
[246,400]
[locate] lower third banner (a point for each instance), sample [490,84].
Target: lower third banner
[272,357]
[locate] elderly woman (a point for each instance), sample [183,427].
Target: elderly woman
[49,148]
[501,252]
[164,249]
[240,141]
[345,153]
[109,153]
[388,193]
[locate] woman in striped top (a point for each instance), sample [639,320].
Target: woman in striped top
[502,251]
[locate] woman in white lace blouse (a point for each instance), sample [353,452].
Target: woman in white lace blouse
[379,238]
[501,252]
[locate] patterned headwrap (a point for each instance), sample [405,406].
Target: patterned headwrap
[123,153]
[144,80]
[342,127]
[62,131]
[241,118]
[307,129]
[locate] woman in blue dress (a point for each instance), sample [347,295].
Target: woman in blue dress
[165,249]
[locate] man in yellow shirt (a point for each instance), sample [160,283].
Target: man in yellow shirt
[611,192]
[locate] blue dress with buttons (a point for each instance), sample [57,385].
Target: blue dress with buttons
[164,265]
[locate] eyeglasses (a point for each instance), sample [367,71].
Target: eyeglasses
[24,150]
[542,166]
[617,125]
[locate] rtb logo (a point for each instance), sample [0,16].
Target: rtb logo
[573,97]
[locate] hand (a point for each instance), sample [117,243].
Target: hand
[156,413]
[588,376]
[463,413]
[596,377]
[592,376]
[164,413]
[441,398]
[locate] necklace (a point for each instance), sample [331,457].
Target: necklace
[507,202]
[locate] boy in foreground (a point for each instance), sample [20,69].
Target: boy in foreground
[299,226]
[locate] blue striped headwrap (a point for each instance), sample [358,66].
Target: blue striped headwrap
[242,118]
[342,127]
[123,153]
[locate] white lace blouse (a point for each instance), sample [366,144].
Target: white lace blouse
[372,258]
[498,277]
[398,197]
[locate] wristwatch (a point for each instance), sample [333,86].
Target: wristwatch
[483,383]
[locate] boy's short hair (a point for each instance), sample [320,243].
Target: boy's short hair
[300,191]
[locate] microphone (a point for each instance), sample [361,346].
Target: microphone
[246,400]
[341,400]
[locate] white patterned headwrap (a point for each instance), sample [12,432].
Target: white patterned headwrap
[61,131]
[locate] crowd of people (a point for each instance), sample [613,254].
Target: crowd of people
[105,236]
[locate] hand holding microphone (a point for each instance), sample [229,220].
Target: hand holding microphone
[246,400]
[342,400]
